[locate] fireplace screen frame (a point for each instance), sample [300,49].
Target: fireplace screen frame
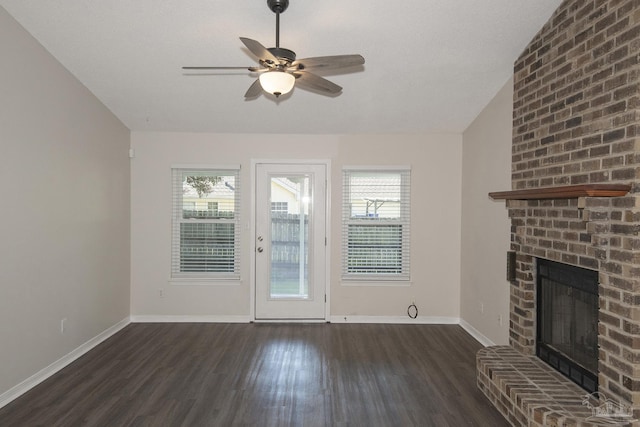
[579,280]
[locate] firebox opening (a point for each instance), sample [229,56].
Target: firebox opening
[567,321]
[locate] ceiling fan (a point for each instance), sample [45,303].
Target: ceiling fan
[280,70]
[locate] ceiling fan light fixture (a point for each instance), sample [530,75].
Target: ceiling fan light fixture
[277,82]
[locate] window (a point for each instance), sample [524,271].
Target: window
[376,224]
[280,207]
[206,230]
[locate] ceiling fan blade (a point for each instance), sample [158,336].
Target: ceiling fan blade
[312,81]
[320,63]
[258,50]
[254,90]
[252,69]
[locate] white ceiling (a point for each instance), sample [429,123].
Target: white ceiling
[431,65]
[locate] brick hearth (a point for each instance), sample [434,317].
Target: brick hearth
[529,393]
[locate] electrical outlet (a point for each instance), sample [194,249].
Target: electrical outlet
[63,325]
[161,293]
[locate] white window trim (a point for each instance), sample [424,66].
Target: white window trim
[375,283]
[183,281]
[203,278]
[359,279]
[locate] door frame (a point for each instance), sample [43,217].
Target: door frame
[252,233]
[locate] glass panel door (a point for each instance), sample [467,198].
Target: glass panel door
[290,241]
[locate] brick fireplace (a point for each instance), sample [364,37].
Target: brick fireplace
[576,121]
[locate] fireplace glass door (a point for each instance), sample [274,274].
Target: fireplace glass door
[568,321]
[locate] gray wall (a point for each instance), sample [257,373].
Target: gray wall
[486,166]
[435,162]
[64,221]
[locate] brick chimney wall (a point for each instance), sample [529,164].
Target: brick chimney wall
[576,120]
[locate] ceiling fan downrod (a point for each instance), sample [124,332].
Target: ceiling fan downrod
[278,7]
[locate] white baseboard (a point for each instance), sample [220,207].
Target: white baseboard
[421,320]
[188,319]
[476,334]
[333,319]
[290,321]
[35,379]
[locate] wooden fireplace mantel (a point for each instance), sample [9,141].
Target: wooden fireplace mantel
[564,192]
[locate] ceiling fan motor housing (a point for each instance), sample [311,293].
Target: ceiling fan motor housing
[278,6]
[280,52]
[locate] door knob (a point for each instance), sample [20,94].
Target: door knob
[259,238]
[260,249]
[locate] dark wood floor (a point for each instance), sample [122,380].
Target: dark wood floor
[266,375]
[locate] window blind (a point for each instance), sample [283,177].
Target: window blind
[205,231]
[376,224]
